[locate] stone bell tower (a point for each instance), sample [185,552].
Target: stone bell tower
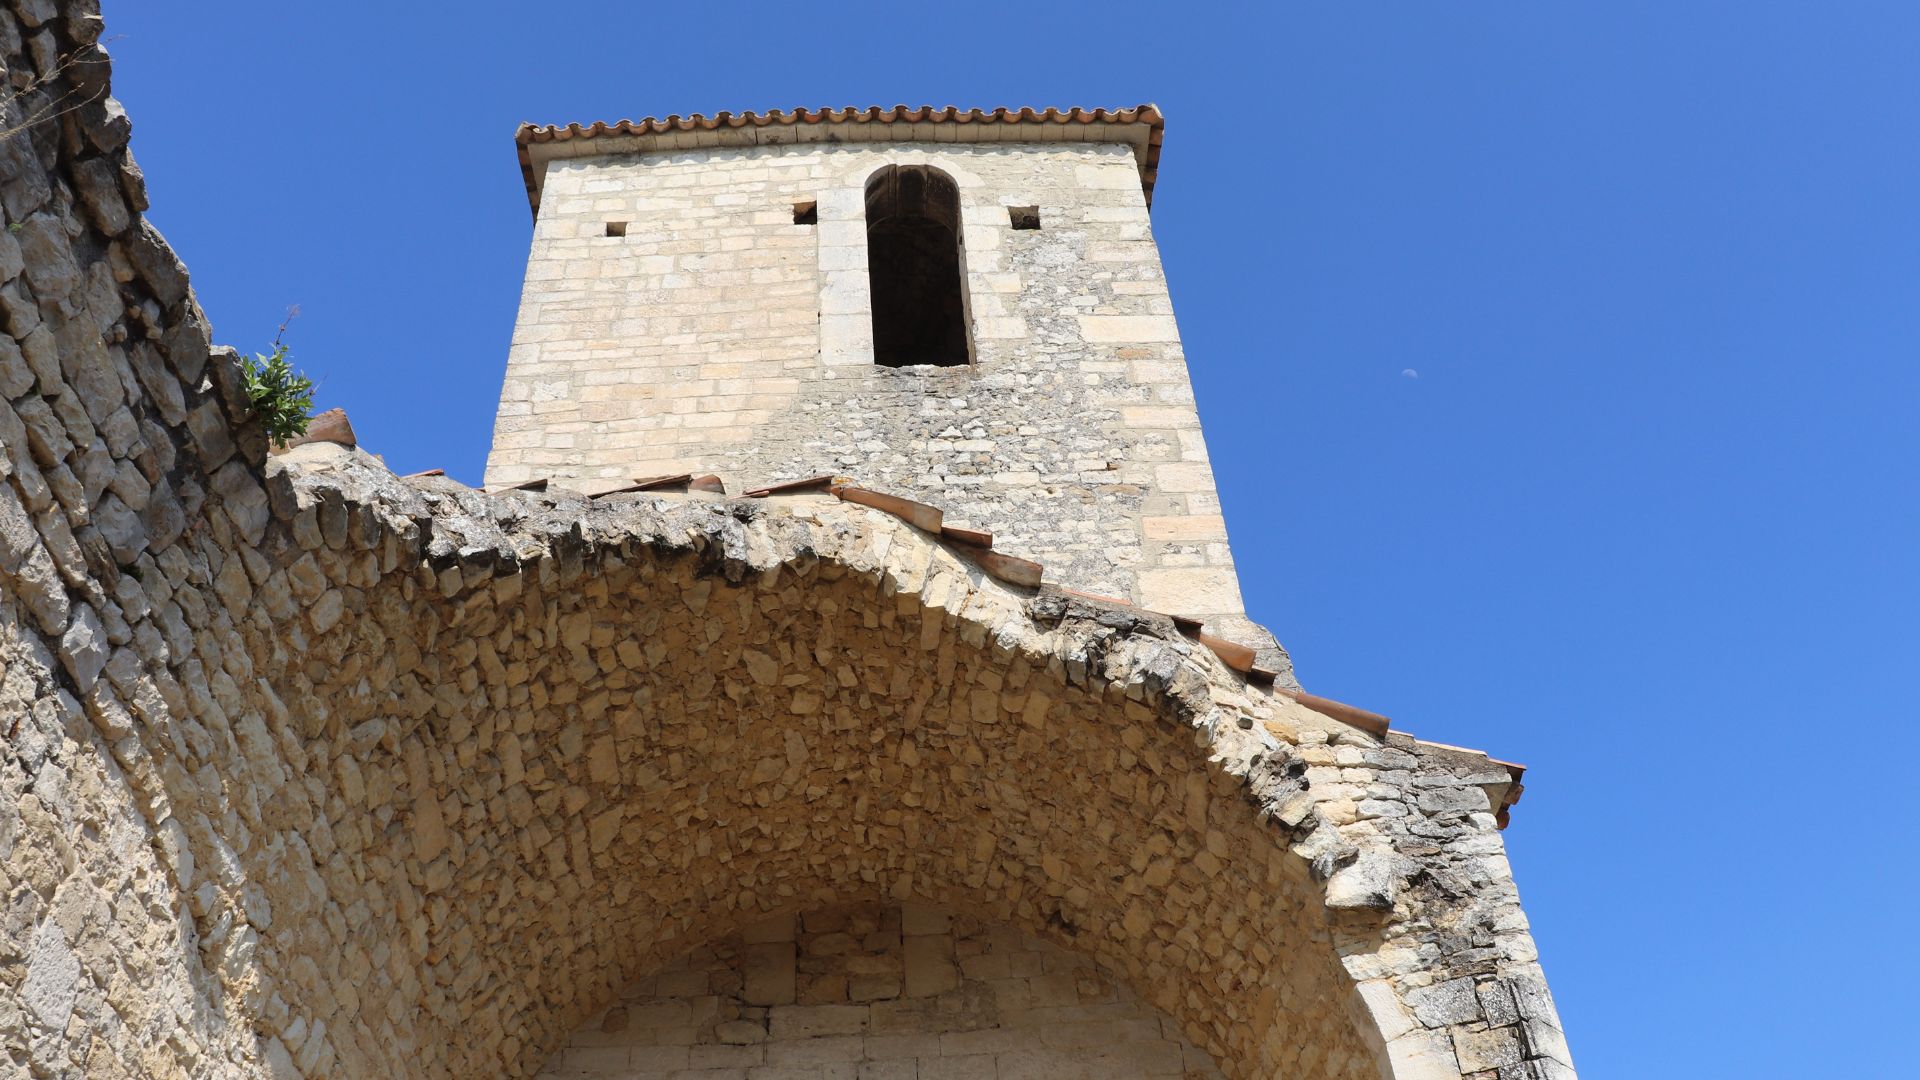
[962,308]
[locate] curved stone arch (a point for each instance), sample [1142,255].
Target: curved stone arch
[862,160]
[981,216]
[261,817]
[1059,767]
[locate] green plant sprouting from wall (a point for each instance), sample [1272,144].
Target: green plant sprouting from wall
[281,396]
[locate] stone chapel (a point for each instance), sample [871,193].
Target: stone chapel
[841,674]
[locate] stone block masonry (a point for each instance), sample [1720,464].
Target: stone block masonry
[312,771]
[873,992]
[716,335]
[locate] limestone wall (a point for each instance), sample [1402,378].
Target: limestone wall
[124,490]
[310,771]
[879,992]
[695,713]
[715,335]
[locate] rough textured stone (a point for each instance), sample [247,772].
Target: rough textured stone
[157,264]
[1074,427]
[339,774]
[11,260]
[51,987]
[17,537]
[1372,881]
[84,647]
[98,185]
[47,258]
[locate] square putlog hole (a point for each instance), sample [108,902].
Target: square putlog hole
[1024,217]
[806,213]
[616,228]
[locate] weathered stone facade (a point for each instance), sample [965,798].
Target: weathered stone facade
[715,335]
[312,771]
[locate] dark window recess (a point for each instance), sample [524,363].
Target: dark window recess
[806,213]
[913,266]
[1024,217]
[616,228]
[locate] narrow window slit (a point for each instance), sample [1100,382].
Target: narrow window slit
[1024,217]
[806,213]
[616,228]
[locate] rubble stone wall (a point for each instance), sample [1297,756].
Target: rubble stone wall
[715,335]
[606,732]
[312,771]
[125,487]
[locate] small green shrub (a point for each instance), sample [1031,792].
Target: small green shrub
[282,396]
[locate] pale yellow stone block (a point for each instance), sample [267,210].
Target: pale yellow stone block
[999,329]
[1157,416]
[1183,476]
[1111,176]
[1186,529]
[1103,329]
[1209,590]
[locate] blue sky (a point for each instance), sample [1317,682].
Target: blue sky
[1645,520]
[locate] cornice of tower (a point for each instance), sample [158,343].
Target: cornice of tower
[1141,127]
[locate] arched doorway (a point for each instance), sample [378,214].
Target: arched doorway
[592,764]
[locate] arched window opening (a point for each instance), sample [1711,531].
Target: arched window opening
[913,267]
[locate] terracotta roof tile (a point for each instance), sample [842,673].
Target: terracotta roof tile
[973,537]
[1008,568]
[917,514]
[794,487]
[1231,653]
[647,483]
[926,122]
[1370,722]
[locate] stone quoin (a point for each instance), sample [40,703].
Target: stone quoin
[842,677]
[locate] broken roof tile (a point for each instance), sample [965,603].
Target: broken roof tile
[1012,570]
[917,514]
[970,537]
[654,483]
[793,487]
